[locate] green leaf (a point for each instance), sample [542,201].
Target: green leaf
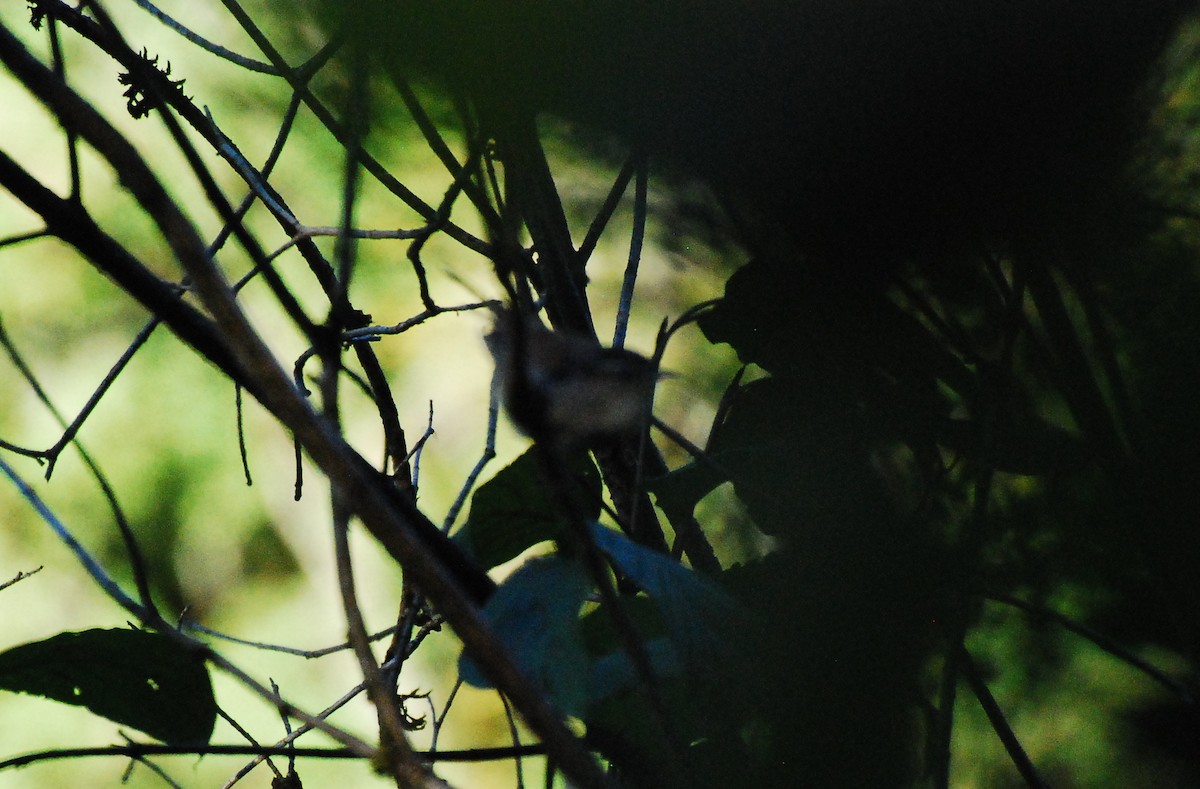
[513,510]
[140,679]
[535,613]
[702,622]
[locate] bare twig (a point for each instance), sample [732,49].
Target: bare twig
[85,558]
[1177,688]
[635,252]
[136,750]
[249,64]
[247,735]
[996,716]
[137,561]
[607,209]
[293,735]
[489,452]
[304,653]
[20,576]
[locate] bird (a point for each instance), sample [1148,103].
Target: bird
[567,389]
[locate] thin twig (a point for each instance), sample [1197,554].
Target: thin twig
[488,454]
[68,436]
[402,760]
[286,722]
[999,723]
[137,559]
[21,238]
[516,740]
[60,63]
[414,457]
[607,209]
[439,720]
[1177,688]
[293,735]
[135,750]
[89,562]
[241,434]
[433,138]
[240,60]
[371,332]
[247,735]
[373,234]
[304,653]
[20,576]
[636,241]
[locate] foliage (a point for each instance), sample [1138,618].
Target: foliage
[966,324]
[144,680]
[513,511]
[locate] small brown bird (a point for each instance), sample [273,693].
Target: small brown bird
[567,389]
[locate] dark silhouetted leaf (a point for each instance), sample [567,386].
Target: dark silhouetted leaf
[843,330]
[144,680]
[678,492]
[512,511]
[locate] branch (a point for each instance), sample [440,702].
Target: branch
[139,750]
[20,576]
[453,582]
[298,82]
[999,723]
[1110,646]
[98,573]
[241,60]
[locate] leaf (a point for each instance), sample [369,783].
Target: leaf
[536,615]
[512,511]
[678,492]
[614,672]
[140,679]
[702,621]
[821,324]
[797,456]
